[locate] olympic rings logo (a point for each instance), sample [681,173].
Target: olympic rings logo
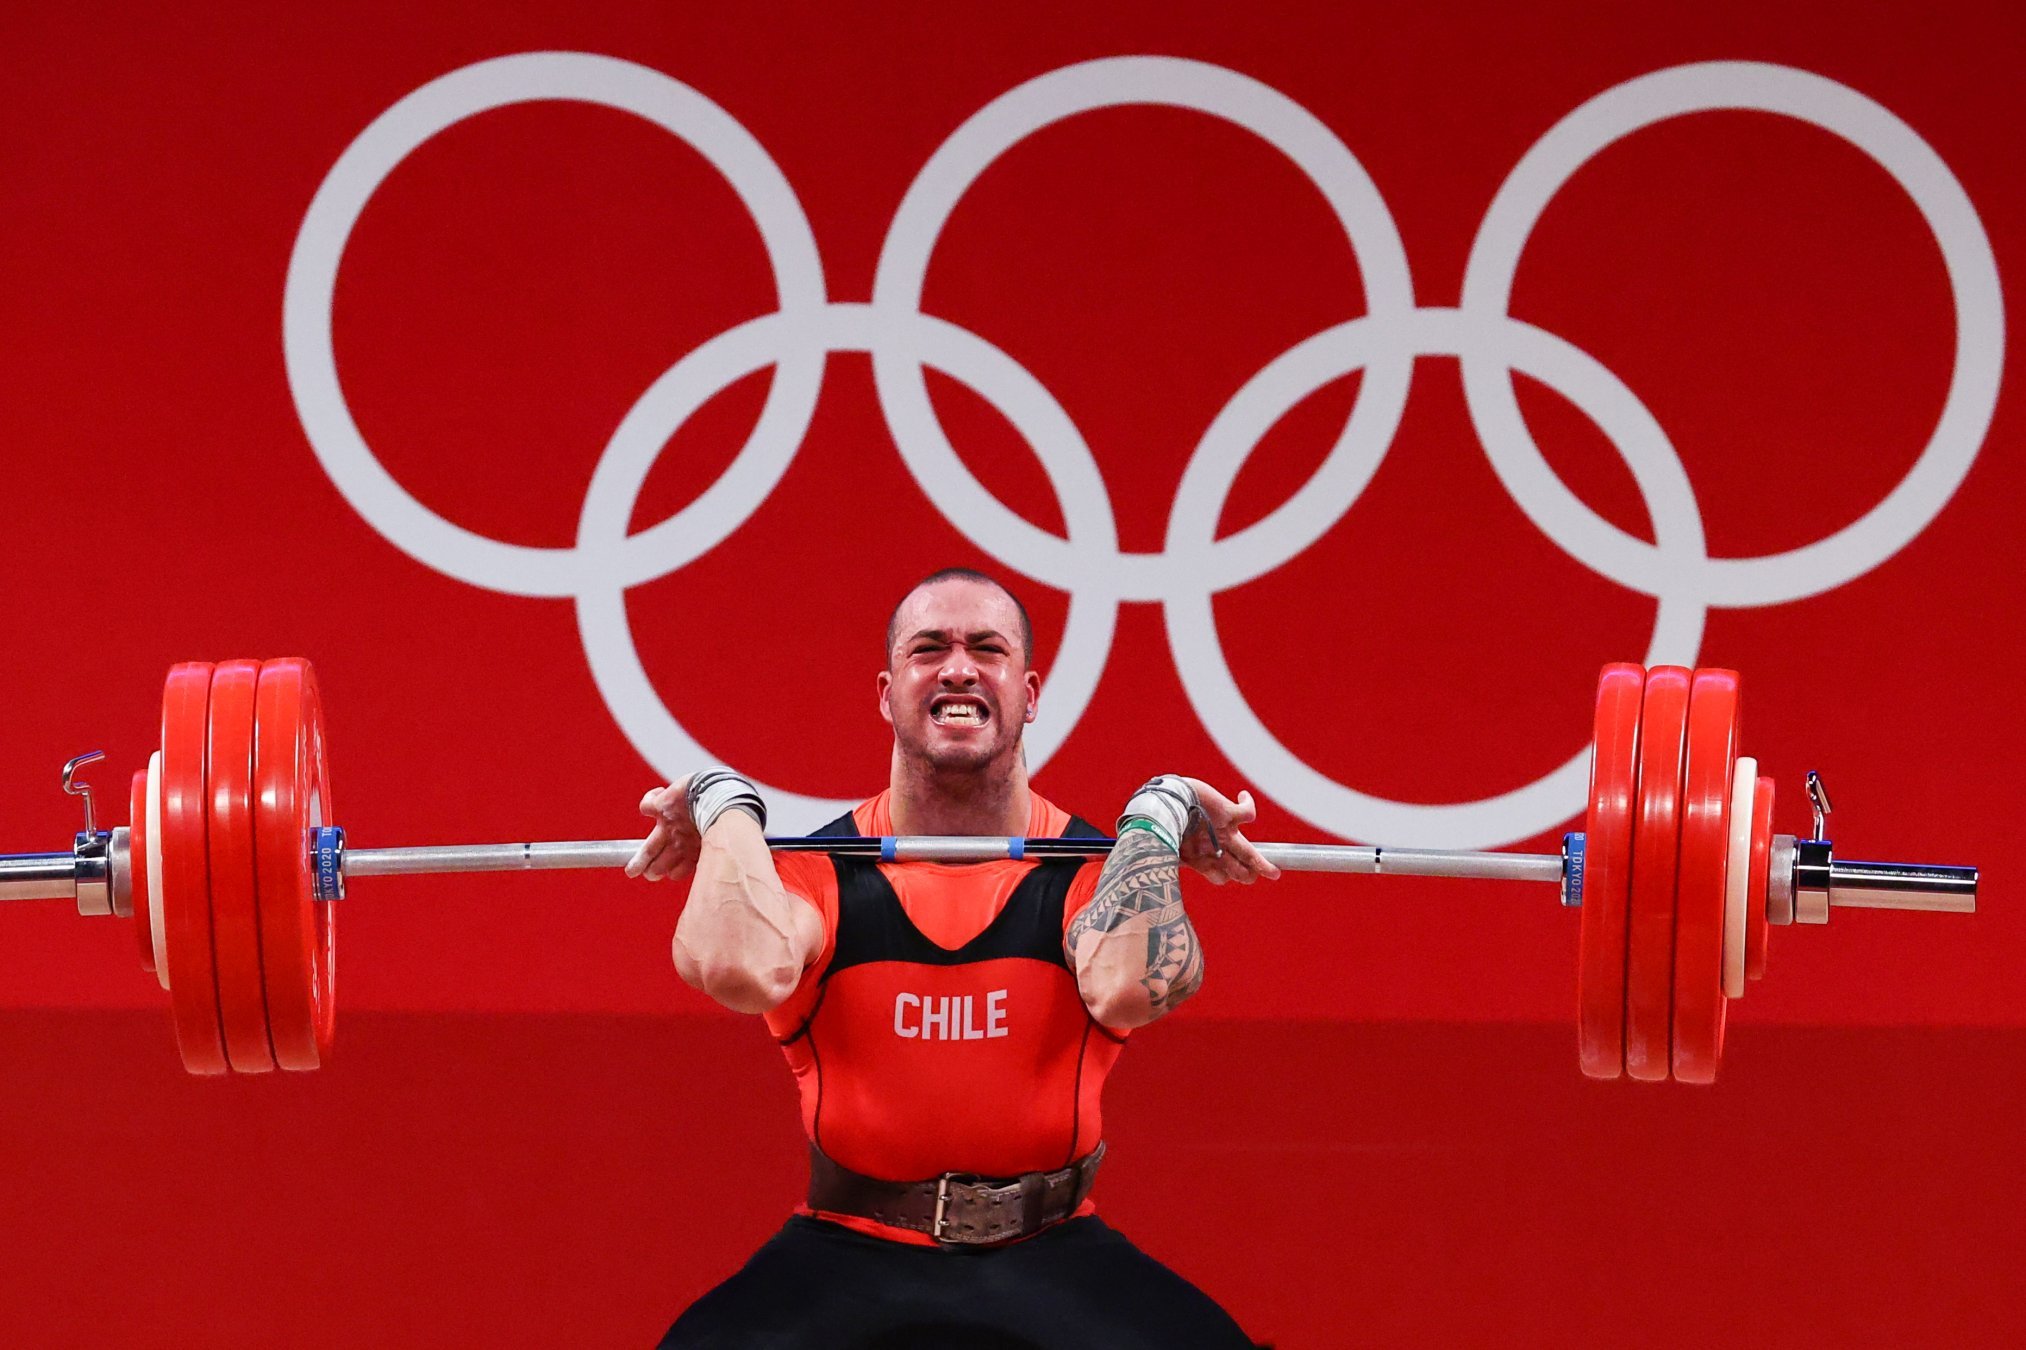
[1194,565]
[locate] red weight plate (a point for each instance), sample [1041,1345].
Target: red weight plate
[137,865]
[235,915]
[1656,843]
[1699,888]
[186,870]
[1757,930]
[1607,871]
[296,936]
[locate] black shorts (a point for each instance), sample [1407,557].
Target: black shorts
[1077,1284]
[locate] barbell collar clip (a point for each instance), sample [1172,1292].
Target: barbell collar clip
[1813,875]
[92,872]
[1818,803]
[77,789]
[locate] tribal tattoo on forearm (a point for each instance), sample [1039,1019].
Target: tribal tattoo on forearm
[1140,890]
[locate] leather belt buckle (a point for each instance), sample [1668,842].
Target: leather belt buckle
[943,1184]
[942,1207]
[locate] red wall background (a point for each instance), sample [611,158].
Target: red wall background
[533,1133]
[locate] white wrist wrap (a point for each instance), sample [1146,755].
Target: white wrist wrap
[717,790]
[1167,803]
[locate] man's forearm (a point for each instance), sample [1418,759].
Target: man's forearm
[1132,947]
[737,939]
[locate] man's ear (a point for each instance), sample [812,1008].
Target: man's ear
[884,685]
[1033,683]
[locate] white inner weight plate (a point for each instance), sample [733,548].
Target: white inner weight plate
[155,923]
[1737,874]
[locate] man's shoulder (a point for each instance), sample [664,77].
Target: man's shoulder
[1050,821]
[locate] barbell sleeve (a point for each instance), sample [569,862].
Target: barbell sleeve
[38,876]
[1932,887]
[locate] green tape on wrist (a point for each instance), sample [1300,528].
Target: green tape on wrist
[1151,827]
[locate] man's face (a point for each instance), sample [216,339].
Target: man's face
[957,688]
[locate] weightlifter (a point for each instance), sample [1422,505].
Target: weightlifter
[950,1025]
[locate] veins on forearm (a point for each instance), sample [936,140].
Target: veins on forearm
[737,910]
[1139,895]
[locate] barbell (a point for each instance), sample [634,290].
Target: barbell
[229,867]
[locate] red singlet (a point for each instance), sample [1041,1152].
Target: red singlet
[940,1028]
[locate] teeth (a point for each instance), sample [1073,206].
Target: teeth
[959,712]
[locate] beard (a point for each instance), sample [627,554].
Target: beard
[983,757]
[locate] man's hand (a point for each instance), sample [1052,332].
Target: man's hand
[1239,861]
[671,847]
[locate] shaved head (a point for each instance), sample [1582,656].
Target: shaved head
[973,577]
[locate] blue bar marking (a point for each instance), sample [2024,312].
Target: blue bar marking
[329,843]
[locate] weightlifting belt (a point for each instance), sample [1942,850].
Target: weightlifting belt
[956,1208]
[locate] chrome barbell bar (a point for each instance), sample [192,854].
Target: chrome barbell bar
[1807,880]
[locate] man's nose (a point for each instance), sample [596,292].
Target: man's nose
[959,669]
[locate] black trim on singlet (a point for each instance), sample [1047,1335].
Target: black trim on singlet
[872,925]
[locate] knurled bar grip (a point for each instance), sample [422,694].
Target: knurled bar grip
[1861,885]
[361,862]
[40,876]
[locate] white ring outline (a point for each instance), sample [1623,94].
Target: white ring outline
[492,564]
[1973,282]
[1140,81]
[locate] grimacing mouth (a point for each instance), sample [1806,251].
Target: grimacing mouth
[959,710]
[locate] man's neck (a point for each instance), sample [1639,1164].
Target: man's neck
[993,800]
